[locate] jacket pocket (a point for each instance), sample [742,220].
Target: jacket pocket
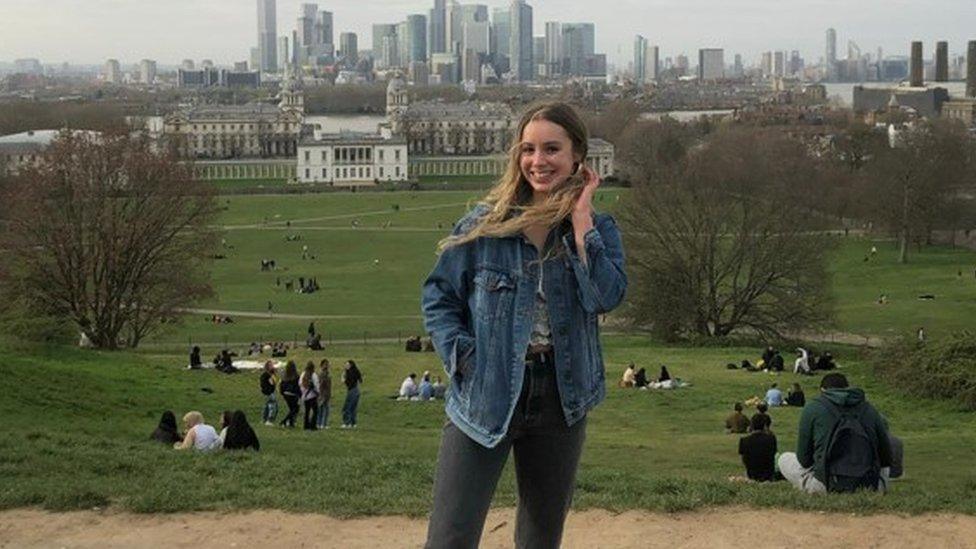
[494,295]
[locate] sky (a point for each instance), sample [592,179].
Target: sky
[91,31]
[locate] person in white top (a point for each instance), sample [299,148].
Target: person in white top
[309,382]
[802,364]
[408,389]
[199,435]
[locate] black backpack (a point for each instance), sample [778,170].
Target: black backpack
[851,459]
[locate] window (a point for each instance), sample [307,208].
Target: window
[368,173]
[336,155]
[397,153]
[398,171]
[381,167]
[337,173]
[325,156]
[307,175]
[381,155]
[307,155]
[325,173]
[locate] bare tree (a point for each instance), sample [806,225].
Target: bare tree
[110,234]
[917,183]
[721,242]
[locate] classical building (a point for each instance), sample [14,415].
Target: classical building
[962,108]
[455,129]
[22,150]
[254,130]
[351,158]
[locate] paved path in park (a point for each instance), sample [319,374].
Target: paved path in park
[355,215]
[290,316]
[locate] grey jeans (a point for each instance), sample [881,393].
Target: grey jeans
[547,454]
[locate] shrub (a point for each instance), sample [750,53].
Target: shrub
[940,369]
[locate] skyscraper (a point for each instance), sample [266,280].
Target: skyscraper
[385,45]
[283,58]
[521,43]
[830,55]
[640,59]
[711,64]
[501,32]
[437,27]
[323,26]
[267,35]
[349,48]
[415,39]
[147,72]
[554,51]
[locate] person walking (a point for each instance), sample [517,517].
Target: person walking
[513,306]
[353,378]
[269,384]
[290,391]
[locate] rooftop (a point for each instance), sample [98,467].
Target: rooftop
[465,109]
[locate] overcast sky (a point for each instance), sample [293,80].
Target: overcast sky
[90,31]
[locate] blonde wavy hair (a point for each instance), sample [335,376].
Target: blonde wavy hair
[509,202]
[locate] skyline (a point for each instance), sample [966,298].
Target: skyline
[225,30]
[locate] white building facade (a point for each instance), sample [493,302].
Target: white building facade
[351,158]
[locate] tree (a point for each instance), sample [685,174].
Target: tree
[720,242]
[110,234]
[917,183]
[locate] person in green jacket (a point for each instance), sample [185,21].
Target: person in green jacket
[807,468]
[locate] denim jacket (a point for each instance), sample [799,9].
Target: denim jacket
[478,304]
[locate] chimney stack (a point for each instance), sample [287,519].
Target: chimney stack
[971,70]
[941,61]
[915,68]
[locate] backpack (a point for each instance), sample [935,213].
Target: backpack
[851,460]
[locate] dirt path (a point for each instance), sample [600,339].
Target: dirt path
[721,528]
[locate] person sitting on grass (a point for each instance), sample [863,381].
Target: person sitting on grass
[774,397]
[439,388]
[795,396]
[826,361]
[737,422]
[166,432]
[199,436]
[640,379]
[627,381]
[842,444]
[758,451]
[225,418]
[195,362]
[762,411]
[426,389]
[802,363]
[665,375]
[240,435]
[408,389]
[775,364]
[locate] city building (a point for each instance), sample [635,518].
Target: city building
[501,37]
[711,64]
[112,72]
[437,28]
[646,61]
[147,72]
[414,40]
[927,102]
[385,46]
[28,66]
[830,56]
[349,48]
[521,43]
[351,158]
[26,149]
[268,35]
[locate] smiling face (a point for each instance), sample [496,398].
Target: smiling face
[546,156]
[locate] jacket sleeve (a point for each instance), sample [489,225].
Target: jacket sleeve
[804,439]
[883,441]
[445,307]
[602,281]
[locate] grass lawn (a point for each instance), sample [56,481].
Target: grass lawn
[76,436]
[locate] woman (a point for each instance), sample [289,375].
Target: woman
[166,432]
[325,393]
[665,375]
[640,379]
[240,435]
[269,384]
[309,384]
[195,362]
[225,418]
[290,391]
[352,377]
[199,435]
[512,307]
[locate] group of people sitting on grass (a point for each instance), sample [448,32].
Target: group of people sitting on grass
[772,361]
[235,432]
[634,378]
[277,349]
[310,389]
[415,345]
[425,390]
[843,443]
